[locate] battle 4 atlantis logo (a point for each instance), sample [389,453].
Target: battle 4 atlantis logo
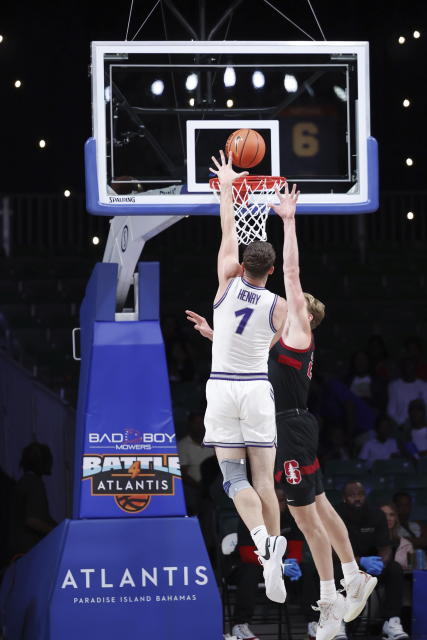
[132,479]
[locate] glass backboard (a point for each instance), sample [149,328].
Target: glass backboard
[162,109]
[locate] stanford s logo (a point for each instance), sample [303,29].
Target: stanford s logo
[292,471]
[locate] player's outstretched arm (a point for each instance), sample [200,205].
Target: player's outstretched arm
[228,256]
[298,325]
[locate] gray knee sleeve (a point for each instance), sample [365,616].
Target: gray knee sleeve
[235,476]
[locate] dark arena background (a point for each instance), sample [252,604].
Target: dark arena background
[369,386]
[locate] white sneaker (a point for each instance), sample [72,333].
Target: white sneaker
[331,615]
[393,630]
[242,631]
[341,635]
[311,630]
[358,591]
[275,547]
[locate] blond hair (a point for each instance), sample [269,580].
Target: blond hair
[394,531]
[316,309]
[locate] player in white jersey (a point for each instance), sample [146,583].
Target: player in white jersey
[240,415]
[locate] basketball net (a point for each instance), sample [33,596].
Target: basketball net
[251,195]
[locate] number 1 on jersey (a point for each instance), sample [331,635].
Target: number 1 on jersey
[246,314]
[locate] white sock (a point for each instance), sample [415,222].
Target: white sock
[328,592]
[349,569]
[259,536]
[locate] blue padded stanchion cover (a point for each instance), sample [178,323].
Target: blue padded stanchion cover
[149,578]
[419,609]
[126,461]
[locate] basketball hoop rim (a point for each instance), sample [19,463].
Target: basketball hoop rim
[256,183]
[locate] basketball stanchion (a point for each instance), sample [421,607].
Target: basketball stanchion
[130,558]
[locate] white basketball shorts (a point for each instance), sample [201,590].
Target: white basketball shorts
[240,414]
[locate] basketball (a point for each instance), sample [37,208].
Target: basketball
[247,147]
[133,503]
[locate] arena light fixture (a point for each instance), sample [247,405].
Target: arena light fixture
[42,144]
[291,83]
[191,102]
[230,103]
[340,93]
[416,34]
[258,79]
[401,40]
[67,193]
[410,215]
[191,82]
[229,77]
[409,162]
[157,87]
[406,102]
[17,84]
[1,38]
[95,240]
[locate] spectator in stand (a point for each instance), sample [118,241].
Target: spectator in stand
[360,380]
[191,456]
[30,516]
[249,571]
[401,547]
[415,349]
[334,445]
[380,364]
[406,388]
[415,532]
[416,426]
[370,539]
[382,445]
[364,384]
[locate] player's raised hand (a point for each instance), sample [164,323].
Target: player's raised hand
[224,169]
[287,202]
[200,324]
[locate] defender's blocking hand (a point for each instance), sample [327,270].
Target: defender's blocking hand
[287,202]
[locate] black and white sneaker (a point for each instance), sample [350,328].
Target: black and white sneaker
[275,547]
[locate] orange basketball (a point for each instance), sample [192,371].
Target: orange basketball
[247,147]
[133,503]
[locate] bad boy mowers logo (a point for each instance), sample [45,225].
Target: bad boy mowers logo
[132,480]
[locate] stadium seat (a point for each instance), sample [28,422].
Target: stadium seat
[378,497]
[9,292]
[393,465]
[419,512]
[422,466]
[344,467]
[420,496]
[410,481]
[386,482]
[44,290]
